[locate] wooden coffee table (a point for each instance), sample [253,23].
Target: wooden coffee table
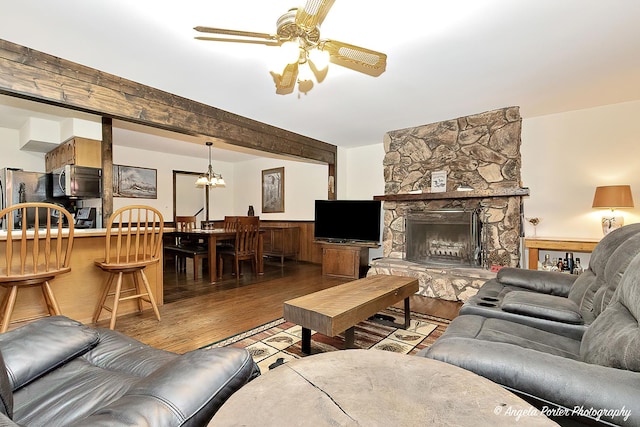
[334,310]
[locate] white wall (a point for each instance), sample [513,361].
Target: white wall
[220,198]
[303,184]
[360,176]
[566,156]
[360,172]
[12,157]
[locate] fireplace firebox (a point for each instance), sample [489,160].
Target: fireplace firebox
[445,237]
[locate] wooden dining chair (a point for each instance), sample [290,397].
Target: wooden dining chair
[245,246]
[133,242]
[34,256]
[187,246]
[230,224]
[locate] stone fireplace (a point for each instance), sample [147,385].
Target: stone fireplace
[481,157]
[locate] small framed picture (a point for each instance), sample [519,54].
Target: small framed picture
[439,181]
[273,190]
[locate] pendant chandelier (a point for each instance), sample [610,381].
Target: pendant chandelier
[210,178]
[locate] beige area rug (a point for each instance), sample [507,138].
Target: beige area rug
[279,341]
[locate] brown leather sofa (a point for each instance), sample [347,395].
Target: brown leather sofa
[58,372]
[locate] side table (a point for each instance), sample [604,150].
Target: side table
[535,244]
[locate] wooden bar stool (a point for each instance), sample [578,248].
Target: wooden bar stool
[133,241]
[37,250]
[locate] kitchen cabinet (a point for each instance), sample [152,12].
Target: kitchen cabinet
[75,151]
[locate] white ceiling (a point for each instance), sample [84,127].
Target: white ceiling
[446,58]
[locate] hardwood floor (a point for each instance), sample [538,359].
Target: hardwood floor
[196,313]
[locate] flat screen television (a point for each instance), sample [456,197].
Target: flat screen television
[347,220]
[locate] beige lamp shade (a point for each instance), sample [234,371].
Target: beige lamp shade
[613,197]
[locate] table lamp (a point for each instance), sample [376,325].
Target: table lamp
[612,197]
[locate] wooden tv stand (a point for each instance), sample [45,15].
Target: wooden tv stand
[347,260]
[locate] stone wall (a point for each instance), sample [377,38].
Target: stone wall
[481,151]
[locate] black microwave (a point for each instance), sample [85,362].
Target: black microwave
[78,182]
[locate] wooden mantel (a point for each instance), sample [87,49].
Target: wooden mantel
[476,194]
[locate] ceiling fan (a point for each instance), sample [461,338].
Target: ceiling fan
[298,35]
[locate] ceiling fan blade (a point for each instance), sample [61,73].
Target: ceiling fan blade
[356,58]
[237,33]
[223,39]
[313,13]
[286,82]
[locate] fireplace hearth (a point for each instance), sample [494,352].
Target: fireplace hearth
[444,237]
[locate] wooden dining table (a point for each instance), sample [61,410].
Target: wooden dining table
[212,237]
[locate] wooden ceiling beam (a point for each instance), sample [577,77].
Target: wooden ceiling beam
[41,77]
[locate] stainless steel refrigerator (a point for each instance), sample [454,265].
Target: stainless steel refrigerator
[18,186]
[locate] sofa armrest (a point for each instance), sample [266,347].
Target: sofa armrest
[184,392]
[41,346]
[548,282]
[542,306]
[556,381]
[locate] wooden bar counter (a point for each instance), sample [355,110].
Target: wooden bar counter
[78,291]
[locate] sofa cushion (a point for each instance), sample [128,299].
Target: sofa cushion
[582,293]
[613,339]
[547,282]
[613,272]
[6,391]
[479,329]
[543,306]
[608,244]
[39,347]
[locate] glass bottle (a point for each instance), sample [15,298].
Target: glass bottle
[577,268]
[570,263]
[546,264]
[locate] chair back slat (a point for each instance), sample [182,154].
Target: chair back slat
[246,239]
[230,223]
[41,248]
[137,236]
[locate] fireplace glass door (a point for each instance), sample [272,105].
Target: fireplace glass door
[444,237]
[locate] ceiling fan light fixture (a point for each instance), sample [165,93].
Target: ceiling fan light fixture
[298,36]
[304,72]
[290,52]
[320,58]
